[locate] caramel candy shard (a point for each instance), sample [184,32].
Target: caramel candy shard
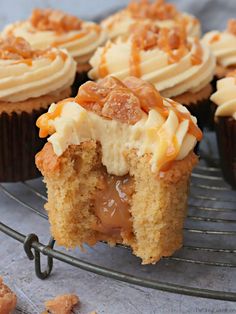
[7,299]
[54,20]
[62,304]
[231,28]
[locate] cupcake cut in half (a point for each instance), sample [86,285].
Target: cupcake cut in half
[179,67]
[117,166]
[223,46]
[225,125]
[48,27]
[30,80]
[160,13]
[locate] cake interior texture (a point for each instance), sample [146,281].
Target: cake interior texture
[144,210]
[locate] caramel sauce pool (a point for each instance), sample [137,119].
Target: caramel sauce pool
[112,203]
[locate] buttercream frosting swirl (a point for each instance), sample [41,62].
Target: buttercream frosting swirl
[160,13]
[223,44]
[80,41]
[162,128]
[26,73]
[225,96]
[166,58]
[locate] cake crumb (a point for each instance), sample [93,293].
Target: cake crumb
[62,304]
[7,299]
[93,312]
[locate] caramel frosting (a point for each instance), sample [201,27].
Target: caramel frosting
[27,73]
[47,27]
[223,44]
[167,58]
[161,14]
[122,116]
[225,96]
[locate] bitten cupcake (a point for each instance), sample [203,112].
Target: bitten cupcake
[178,66]
[225,124]
[117,167]
[30,80]
[158,12]
[223,45]
[47,27]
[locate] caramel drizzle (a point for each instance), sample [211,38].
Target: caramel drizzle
[102,68]
[196,57]
[135,61]
[193,128]
[215,38]
[25,61]
[68,40]
[43,121]
[82,34]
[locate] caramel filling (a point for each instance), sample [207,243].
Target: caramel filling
[112,203]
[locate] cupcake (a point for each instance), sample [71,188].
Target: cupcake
[47,27]
[223,46]
[158,12]
[179,67]
[30,80]
[225,125]
[117,167]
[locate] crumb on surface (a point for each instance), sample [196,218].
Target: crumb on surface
[7,299]
[62,304]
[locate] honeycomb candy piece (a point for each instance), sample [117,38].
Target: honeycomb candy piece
[122,106]
[62,304]
[149,97]
[54,20]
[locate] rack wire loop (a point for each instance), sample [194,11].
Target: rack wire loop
[33,240]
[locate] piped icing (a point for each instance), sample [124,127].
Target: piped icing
[47,27]
[28,73]
[225,96]
[167,58]
[160,13]
[223,44]
[122,116]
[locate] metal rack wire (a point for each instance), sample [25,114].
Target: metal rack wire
[209,236]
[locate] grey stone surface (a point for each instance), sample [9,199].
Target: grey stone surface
[98,293]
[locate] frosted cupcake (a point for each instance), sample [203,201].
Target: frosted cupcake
[158,12]
[225,124]
[117,167]
[47,27]
[223,45]
[30,80]
[179,67]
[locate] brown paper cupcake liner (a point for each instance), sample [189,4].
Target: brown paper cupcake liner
[19,142]
[80,78]
[226,135]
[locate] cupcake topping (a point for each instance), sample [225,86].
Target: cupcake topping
[223,46]
[17,48]
[231,27]
[31,73]
[54,20]
[156,10]
[225,96]
[47,27]
[122,114]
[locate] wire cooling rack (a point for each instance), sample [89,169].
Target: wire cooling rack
[209,242]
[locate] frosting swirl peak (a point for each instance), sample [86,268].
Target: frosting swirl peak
[167,58]
[122,115]
[223,44]
[27,73]
[225,96]
[159,13]
[46,28]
